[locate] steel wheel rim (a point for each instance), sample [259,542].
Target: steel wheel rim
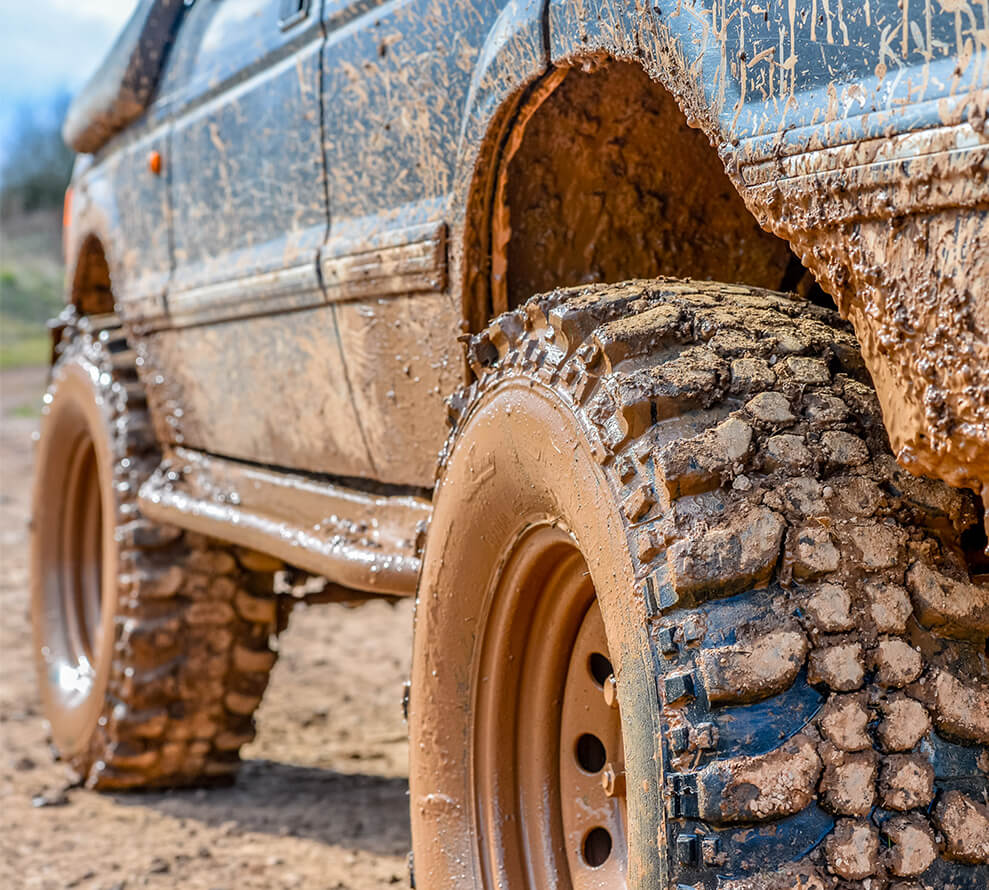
[81,560]
[546,740]
[72,561]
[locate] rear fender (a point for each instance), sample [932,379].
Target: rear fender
[514,57]
[861,137]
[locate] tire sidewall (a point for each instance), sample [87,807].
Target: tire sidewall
[521,456]
[77,400]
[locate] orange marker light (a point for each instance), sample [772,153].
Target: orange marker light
[154,163]
[66,221]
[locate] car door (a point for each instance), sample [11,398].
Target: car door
[397,76]
[249,354]
[248,186]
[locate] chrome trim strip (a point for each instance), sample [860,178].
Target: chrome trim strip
[400,262]
[296,287]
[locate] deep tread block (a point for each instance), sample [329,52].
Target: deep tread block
[748,671]
[691,466]
[757,789]
[739,552]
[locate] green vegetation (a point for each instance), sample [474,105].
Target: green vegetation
[22,344]
[32,182]
[27,409]
[30,287]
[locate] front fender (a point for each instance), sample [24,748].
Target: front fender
[770,79]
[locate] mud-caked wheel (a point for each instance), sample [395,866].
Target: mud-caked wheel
[152,645]
[682,622]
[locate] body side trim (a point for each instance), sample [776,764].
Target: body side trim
[910,174]
[405,261]
[281,290]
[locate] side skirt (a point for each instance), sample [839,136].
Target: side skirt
[356,539]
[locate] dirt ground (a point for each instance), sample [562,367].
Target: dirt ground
[322,799]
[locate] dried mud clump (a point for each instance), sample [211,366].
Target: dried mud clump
[758,788]
[830,608]
[797,877]
[844,720]
[852,849]
[965,825]
[896,663]
[912,845]
[744,550]
[953,608]
[840,667]
[958,709]
[889,607]
[812,552]
[906,782]
[848,784]
[749,671]
[904,723]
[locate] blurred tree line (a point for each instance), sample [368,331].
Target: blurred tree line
[34,171]
[36,163]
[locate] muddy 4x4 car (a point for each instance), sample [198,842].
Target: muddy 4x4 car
[700,570]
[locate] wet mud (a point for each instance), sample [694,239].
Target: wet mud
[608,182]
[915,289]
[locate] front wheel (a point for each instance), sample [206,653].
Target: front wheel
[532,705]
[151,644]
[682,622]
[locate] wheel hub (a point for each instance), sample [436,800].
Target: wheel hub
[592,766]
[71,534]
[548,765]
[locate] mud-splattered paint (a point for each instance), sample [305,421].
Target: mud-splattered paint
[830,118]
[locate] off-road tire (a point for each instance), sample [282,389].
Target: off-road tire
[800,647]
[183,656]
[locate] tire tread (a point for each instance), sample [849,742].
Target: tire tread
[742,437]
[178,661]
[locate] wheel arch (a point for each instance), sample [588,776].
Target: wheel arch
[91,241]
[88,288]
[506,122]
[753,84]
[89,284]
[512,63]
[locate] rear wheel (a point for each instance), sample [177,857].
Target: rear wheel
[682,622]
[152,645]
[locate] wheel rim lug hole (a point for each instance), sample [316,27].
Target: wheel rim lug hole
[597,847]
[591,753]
[600,668]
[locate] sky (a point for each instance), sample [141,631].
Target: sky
[51,45]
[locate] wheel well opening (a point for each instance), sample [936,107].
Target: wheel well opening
[975,542]
[604,180]
[91,291]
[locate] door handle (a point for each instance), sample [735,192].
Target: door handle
[292,12]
